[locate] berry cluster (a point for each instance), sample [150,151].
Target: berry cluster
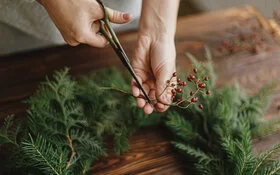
[276,15]
[251,41]
[179,88]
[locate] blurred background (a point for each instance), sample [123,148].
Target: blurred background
[21,30]
[266,7]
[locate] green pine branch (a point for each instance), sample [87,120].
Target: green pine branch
[43,156]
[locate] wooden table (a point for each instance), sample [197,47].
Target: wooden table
[150,152]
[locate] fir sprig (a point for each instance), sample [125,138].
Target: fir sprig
[5,135]
[226,124]
[69,120]
[45,157]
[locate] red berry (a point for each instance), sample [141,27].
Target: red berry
[200,106]
[201,85]
[172,84]
[225,43]
[231,49]
[242,37]
[168,81]
[174,74]
[189,79]
[275,13]
[178,80]
[254,35]
[248,48]
[191,93]
[184,83]
[220,49]
[173,91]
[192,77]
[195,71]
[254,27]
[206,78]
[268,49]
[254,50]
[208,92]
[194,99]
[179,90]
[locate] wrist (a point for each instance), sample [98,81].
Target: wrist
[156,30]
[159,18]
[153,37]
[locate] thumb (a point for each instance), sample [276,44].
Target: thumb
[118,17]
[163,94]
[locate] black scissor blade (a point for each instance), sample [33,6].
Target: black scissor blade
[126,63]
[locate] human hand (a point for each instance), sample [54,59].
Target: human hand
[154,63]
[78,22]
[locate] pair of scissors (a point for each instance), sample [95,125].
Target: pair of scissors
[115,44]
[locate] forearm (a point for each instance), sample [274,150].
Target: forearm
[159,18]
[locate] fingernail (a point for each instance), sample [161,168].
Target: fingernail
[126,16]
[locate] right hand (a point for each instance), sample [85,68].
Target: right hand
[78,22]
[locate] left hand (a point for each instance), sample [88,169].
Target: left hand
[154,63]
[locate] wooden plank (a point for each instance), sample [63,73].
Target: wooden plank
[151,154]
[150,151]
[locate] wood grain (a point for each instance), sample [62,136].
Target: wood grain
[150,151]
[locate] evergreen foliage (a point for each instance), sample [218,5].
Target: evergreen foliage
[69,121]
[219,138]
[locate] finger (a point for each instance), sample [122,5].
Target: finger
[146,89]
[135,89]
[163,101]
[140,102]
[97,40]
[148,109]
[94,38]
[152,95]
[164,96]
[118,17]
[161,107]
[72,42]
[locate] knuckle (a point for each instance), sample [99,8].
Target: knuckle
[78,36]
[72,43]
[117,15]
